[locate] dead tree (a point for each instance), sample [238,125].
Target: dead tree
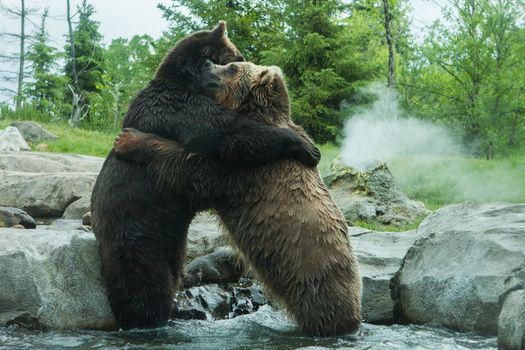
[76,113]
[390,44]
[22,14]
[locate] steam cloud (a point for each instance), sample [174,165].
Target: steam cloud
[382,133]
[424,158]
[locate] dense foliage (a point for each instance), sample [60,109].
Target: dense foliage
[467,72]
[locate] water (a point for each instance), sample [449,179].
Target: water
[265,329]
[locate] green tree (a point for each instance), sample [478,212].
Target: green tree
[46,89]
[327,49]
[85,67]
[126,72]
[465,73]
[254,25]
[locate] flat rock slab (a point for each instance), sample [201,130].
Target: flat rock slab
[380,256]
[42,162]
[51,279]
[468,258]
[44,195]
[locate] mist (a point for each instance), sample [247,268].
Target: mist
[382,133]
[426,160]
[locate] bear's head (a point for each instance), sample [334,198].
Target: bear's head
[258,92]
[187,62]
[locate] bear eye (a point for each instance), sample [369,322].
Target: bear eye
[208,64]
[232,69]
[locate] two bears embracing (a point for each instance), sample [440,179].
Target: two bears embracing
[216,134]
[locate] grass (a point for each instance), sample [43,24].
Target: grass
[438,181]
[74,140]
[329,152]
[434,180]
[376,226]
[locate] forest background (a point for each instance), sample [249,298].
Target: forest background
[464,73]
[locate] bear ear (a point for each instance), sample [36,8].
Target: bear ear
[220,31]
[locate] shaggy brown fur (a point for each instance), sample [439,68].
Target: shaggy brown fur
[280,216]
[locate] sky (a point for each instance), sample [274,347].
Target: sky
[126,18]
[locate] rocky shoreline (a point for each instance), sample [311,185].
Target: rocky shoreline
[463,268]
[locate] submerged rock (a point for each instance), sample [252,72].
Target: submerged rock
[51,279]
[219,301]
[372,195]
[468,258]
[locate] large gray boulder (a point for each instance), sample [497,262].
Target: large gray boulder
[511,323]
[468,258]
[10,217]
[45,184]
[33,132]
[78,208]
[12,140]
[204,236]
[43,194]
[380,256]
[372,195]
[51,279]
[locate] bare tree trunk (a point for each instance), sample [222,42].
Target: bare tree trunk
[20,92]
[389,42]
[114,90]
[75,116]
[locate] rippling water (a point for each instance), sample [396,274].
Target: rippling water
[265,329]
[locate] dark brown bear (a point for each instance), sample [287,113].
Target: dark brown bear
[280,216]
[140,228]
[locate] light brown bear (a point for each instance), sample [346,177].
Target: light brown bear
[280,216]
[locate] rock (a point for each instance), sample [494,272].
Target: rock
[372,195]
[380,255]
[40,162]
[221,266]
[12,140]
[466,260]
[43,195]
[213,301]
[511,322]
[51,280]
[65,225]
[86,219]
[32,131]
[10,217]
[204,236]
[78,208]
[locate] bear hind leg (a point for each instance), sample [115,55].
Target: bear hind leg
[140,288]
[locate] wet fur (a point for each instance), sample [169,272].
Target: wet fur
[280,216]
[140,228]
